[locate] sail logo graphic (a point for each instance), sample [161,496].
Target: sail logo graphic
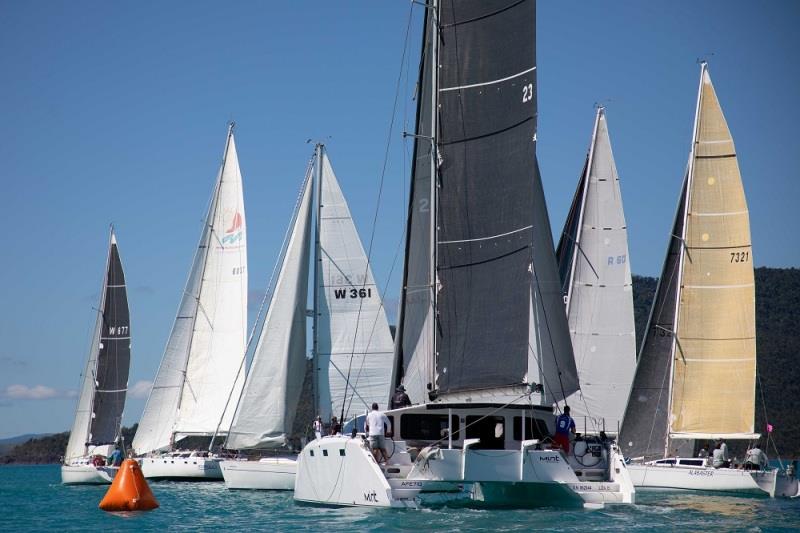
[235,232]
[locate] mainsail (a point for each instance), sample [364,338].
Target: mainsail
[206,347]
[354,347]
[105,380]
[596,276]
[268,403]
[700,343]
[499,320]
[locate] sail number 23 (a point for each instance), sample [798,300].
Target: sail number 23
[527,93]
[740,257]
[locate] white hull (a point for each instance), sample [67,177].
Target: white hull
[703,478]
[525,477]
[181,468]
[341,471]
[273,473]
[88,474]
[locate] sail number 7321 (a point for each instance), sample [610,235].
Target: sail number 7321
[740,257]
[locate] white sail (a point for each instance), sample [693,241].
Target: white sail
[79,435]
[599,296]
[206,347]
[355,348]
[271,393]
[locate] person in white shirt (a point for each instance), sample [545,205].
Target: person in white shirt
[375,429]
[755,459]
[318,427]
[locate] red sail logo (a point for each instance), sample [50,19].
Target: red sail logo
[234,233]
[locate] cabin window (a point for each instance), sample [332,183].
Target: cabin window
[325,453]
[490,429]
[535,428]
[666,462]
[692,462]
[427,426]
[341,452]
[311,452]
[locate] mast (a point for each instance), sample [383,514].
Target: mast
[679,285]
[209,226]
[317,186]
[434,155]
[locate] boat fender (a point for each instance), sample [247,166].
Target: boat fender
[129,490]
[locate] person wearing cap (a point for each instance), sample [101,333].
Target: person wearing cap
[400,398]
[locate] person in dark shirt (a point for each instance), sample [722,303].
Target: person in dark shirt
[400,398]
[564,426]
[336,427]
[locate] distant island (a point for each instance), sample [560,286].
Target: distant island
[777,391]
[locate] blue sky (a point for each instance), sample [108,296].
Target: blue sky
[117,112]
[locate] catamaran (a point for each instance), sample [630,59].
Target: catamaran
[98,418]
[206,347]
[595,274]
[352,347]
[696,377]
[483,345]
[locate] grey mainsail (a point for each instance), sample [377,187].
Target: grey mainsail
[499,321]
[105,381]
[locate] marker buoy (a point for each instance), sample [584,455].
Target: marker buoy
[129,490]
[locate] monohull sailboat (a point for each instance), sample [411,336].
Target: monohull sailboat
[595,274]
[696,376]
[483,345]
[352,346]
[98,417]
[206,346]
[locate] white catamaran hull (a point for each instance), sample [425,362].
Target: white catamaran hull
[88,474]
[269,473]
[523,478]
[181,468]
[341,471]
[704,478]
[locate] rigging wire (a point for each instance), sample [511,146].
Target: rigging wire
[266,300]
[378,202]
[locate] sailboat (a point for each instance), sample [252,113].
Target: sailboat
[352,346]
[483,345]
[206,346]
[596,279]
[696,376]
[98,418]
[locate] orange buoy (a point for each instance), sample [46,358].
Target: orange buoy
[129,491]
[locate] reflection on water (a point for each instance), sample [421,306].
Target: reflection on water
[728,506]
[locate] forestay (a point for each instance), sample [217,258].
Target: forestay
[105,380]
[595,271]
[206,347]
[266,409]
[354,344]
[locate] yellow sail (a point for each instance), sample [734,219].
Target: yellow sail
[714,367]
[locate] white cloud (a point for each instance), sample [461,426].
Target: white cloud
[37,392]
[140,389]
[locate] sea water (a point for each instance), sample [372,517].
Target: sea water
[32,498]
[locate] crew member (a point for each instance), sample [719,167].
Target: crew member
[400,398]
[318,427]
[375,423]
[565,426]
[755,459]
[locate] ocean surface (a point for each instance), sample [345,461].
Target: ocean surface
[33,499]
